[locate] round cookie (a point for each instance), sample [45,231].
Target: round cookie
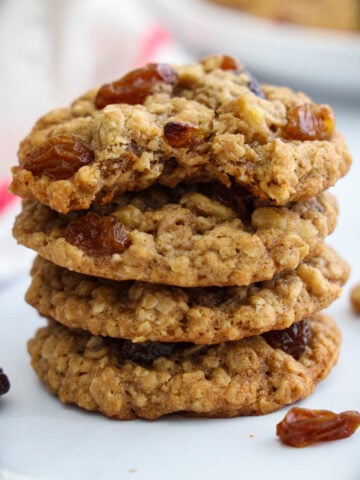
[210,121]
[189,236]
[248,377]
[143,311]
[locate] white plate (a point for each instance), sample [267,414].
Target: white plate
[305,56]
[14,259]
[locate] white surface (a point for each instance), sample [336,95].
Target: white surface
[45,439]
[305,56]
[14,259]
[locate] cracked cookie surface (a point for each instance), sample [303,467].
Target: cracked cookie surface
[248,377]
[188,236]
[142,311]
[214,122]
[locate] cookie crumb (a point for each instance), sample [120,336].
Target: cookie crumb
[355,298]
[132,470]
[251,435]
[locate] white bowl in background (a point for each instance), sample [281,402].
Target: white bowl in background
[284,52]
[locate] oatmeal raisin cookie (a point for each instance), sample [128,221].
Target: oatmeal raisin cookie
[143,311]
[248,377]
[187,236]
[211,121]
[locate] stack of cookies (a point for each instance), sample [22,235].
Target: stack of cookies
[179,215]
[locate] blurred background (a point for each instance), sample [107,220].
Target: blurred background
[53,51]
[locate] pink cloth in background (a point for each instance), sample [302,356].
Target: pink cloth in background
[154,39]
[6,198]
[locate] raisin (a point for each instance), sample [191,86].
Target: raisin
[210,297]
[136,85]
[302,427]
[4,383]
[58,158]
[230,63]
[182,134]
[114,166]
[292,340]
[97,236]
[170,166]
[235,197]
[145,353]
[310,122]
[254,85]
[355,299]
[223,62]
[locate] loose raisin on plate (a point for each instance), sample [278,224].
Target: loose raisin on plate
[310,122]
[97,236]
[58,158]
[136,85]
[4,383]
[292,340]
[182,134]
[302,427]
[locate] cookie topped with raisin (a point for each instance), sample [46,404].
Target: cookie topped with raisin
[210,121]
[188,236]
